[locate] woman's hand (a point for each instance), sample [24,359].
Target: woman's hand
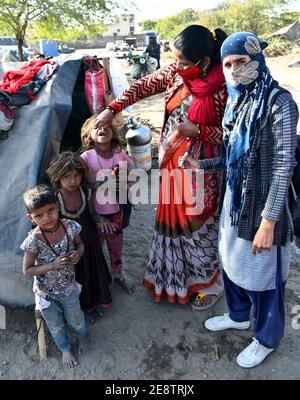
[263,240]
[104,119]
[191,163]
[187,128]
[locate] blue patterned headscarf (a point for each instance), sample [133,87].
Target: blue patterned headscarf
[248,89]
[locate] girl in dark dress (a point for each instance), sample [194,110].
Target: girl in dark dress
[66,173]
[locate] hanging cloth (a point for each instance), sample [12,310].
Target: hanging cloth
[94,86]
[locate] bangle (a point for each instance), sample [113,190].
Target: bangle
[111,109]
[198,129]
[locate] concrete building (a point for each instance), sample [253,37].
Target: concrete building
[123,25]
[123,28]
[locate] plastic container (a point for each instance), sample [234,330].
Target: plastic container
[48,48]
[141,156]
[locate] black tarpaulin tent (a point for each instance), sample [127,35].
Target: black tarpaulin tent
[41,129]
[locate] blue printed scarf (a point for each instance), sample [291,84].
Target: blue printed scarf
[248,90]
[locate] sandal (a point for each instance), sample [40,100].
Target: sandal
[101,311]
[94,313]
[197,302]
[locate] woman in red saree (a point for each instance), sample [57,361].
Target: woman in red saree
[183,262]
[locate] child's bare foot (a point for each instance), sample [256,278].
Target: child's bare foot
[128,287]
[83,345]
[69,360]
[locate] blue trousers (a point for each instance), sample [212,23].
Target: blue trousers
[60,312]
[268,308]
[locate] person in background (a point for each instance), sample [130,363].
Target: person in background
[153,49]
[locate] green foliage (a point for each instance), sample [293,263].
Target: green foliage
[63,33]
[169,27]
[135,58]
[67,20]
[278,46]
[52,18]
[284,19]
[258,16]
[149,25]
[246,15]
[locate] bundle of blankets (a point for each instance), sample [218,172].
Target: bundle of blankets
[20,87]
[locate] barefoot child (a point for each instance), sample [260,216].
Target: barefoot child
[102,150]
[66,173]
[52,250]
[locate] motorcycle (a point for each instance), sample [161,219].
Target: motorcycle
[142,64]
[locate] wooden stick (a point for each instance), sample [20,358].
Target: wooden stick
[2,318]
[216,352]
[41,335]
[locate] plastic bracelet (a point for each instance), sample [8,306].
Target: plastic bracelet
[111,109]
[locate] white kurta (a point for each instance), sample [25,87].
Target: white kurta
[249,271]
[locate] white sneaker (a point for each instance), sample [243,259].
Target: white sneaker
[224,322]
[253,355]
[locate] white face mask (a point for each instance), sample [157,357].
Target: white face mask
[244,75]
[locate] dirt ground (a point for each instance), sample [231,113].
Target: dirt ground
[140,339]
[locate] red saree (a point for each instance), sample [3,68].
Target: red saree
[183,256]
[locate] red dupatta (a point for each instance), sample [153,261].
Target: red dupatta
[203,108]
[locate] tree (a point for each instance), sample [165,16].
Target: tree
[52,18]
[286,18]
[169,27]
[149,24]
[248,15]
[257,16]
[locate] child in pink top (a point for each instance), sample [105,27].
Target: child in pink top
[102,152]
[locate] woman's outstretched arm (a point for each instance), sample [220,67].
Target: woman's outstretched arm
[150,85]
